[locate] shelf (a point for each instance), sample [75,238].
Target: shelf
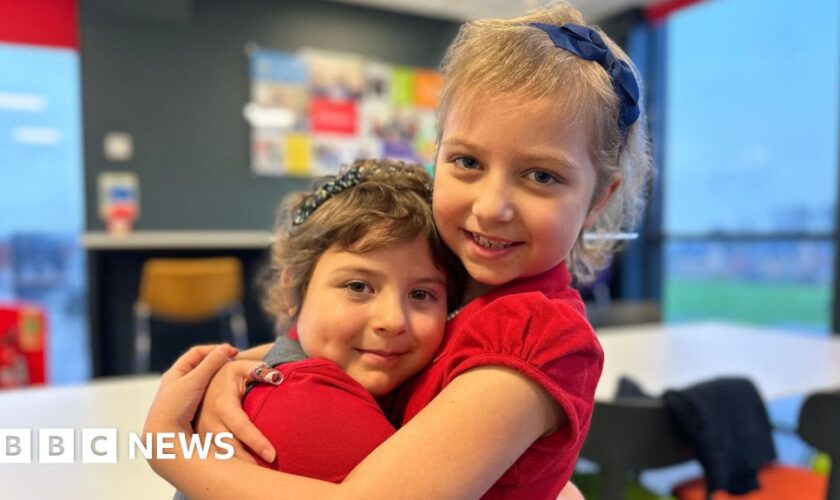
[142,240]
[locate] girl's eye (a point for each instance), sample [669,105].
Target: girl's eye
[544,177]
[466,162]
[421,294]
[357,287]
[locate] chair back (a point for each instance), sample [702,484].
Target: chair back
[819,425]
[629,435]
[190,289]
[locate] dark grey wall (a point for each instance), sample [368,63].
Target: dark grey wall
[177,78]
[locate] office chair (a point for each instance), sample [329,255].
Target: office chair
[188,291]
[630,435]
[819,426]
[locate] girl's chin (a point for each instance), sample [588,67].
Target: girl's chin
[379,388]
[480,283]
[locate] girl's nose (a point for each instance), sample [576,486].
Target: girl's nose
[493,202]
[391,316]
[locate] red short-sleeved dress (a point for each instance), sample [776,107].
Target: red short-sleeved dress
[536,326]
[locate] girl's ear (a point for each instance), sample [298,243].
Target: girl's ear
[601,203]
[286,290]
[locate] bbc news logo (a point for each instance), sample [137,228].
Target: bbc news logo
[99,446]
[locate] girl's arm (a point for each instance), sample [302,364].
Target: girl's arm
[457,447]
[255,353]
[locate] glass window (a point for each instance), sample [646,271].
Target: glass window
[751,161]
[42,203]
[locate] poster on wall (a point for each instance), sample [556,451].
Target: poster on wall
[314,111]
[279,114]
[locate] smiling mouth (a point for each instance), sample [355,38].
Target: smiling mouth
[491,243]
[382,354]
[380,360]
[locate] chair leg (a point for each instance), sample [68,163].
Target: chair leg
[834,479]
[142,338]
[613,482]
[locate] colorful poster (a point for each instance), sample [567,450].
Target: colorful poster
[333,75]
[403,87]
[299,154]
[333,117]
[314,112]
[427,85]
[279,108]
[332,152]
[425,140]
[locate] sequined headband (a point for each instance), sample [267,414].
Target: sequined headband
[348,179]
[588,44]
[378,170]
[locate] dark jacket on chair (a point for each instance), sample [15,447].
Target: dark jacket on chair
[726,421]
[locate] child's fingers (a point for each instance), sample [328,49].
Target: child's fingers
[212,362]
[242,453]
[190,359]
[211,424]
[235,419]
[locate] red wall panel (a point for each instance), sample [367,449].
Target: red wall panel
[39,22]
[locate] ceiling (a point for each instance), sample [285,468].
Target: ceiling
[462,10]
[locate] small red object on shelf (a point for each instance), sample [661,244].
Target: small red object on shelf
[23,335]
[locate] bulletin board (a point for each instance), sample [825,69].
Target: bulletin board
[313,111]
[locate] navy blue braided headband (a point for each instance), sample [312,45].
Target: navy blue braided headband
[588,44]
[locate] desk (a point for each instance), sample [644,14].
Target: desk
[659,356]
[114,265]
[119,403]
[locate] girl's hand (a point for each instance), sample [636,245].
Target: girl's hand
[222,411]
[182,387]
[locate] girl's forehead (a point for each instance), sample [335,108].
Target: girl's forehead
[519,124]
[466,110]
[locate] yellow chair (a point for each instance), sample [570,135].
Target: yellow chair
[188,291]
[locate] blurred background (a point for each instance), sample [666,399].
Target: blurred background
[144,145]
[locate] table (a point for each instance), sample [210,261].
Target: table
[780,362]
[658,356]
[119,403]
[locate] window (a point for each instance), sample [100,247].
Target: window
[751,160]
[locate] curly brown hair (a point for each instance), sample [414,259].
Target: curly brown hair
[391,205]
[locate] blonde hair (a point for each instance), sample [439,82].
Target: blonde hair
[498,57]
[389,206]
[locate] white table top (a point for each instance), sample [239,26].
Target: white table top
[115,403]
[145,240]
[658,356]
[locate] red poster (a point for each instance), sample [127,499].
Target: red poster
[333,117]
